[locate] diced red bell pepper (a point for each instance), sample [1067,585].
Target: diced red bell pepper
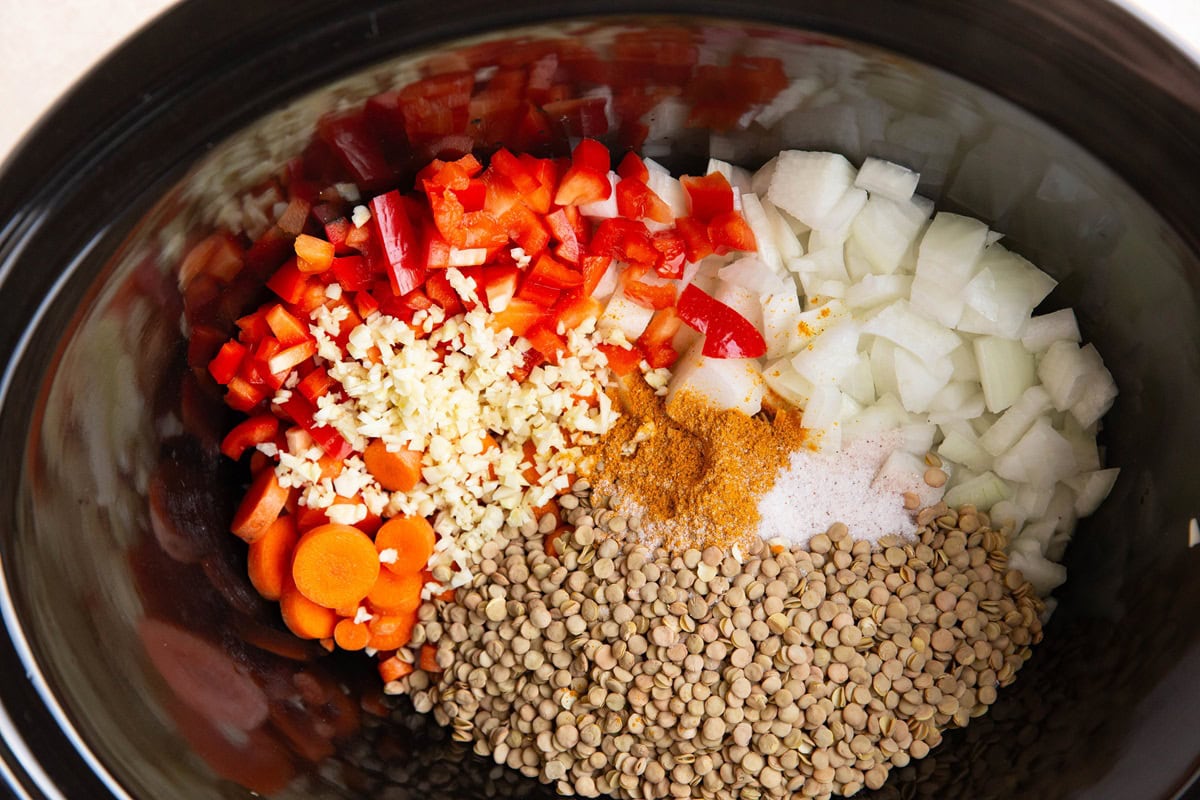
[204,342]
[662,328]
[709,196]
[352,273]
[581,185]
[441,293]
[538,294]
[316,383]
[283,361]
[594,268]
[548,272]
[472,197]
[695,238]
[622,361]
[461,228]
[365,303]
[518,316]
[730,231]
[337,231]
[301,411]
[727,334]
[635,200]
[526,228]
[625,240]
[591,154]
[243,395]
[504,163]
[269,250]
[287,329]
[499,285]
[670,245]
[546,341]
[573,310]
[633,167]
[253,327]
[289,282]
[401,247]
[568,234]
[228,360]
[654,296]
[248,433]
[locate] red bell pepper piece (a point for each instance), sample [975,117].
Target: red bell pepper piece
[635,200]
[570,246]
[730,231]
[727,333]
[546,341]
[654,296]
[594,268]
[289,282]
[316,383]
[287,329]
[633,167]
[248,433]
[695,238]
[243,395]
[581,185]
[548,272]
[336,231]
[621,360]
[518,316]
[352,273]
[673,251]
[590,154]
[228,360]
[709,196]
[573,310]
[401,249]
[625,240]
[301,411]
[441,293]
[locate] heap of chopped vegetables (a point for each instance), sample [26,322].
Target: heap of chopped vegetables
[481,278]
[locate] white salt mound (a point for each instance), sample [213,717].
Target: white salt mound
[822,487]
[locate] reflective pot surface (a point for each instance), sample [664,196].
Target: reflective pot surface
[140,663]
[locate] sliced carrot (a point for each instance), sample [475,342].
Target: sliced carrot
[335,565]
[260,507]
[428,660]
[396,594]
[393,669]
[351,635]
[389,632]
[412,538]
[305,618]
[549,507]
[448,595]
[490,444]
[271,558]
[397,472]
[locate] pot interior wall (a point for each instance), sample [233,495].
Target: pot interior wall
[133,599]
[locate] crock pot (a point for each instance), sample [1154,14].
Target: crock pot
[138,662]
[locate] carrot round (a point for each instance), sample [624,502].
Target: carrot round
[271,558]
[412,538]
[394,593]
[305,618]
[351,635]
[389,632]
[335,565]
[260,507]
[396,471]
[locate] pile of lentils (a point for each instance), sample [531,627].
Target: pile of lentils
[606,667]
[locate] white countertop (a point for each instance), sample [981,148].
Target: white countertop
[47,45]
